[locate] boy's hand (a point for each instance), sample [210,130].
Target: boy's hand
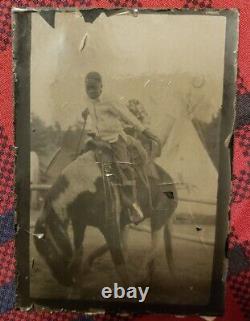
[85,114]
[155,142]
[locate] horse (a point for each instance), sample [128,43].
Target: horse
[86,194]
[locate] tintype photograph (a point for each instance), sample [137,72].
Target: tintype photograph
[123,123]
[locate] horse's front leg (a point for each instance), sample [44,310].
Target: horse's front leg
[103,249]
[115,244]
[124,238]
[100,251]
[78,236]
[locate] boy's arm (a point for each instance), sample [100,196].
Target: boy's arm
[128,117]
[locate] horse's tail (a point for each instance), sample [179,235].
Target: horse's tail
[168,245]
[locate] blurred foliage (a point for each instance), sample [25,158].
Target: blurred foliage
[45,139]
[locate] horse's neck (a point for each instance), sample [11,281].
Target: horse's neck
[83,169]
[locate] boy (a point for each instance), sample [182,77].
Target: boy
[107,122]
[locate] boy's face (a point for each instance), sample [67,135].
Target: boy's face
[93,88]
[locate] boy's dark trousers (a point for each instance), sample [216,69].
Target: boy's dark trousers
[125,170]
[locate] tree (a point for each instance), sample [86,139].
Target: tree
[44,139]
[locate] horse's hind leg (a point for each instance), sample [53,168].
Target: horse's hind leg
[168,246]
[113,240]
[156,238]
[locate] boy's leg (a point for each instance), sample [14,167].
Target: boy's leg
[125,169]
[127,173]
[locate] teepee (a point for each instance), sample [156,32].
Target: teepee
[187,161]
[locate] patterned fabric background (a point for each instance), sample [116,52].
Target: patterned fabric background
[238,282]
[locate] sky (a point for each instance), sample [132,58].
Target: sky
[164,51]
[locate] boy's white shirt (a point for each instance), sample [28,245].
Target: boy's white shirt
[106,120]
